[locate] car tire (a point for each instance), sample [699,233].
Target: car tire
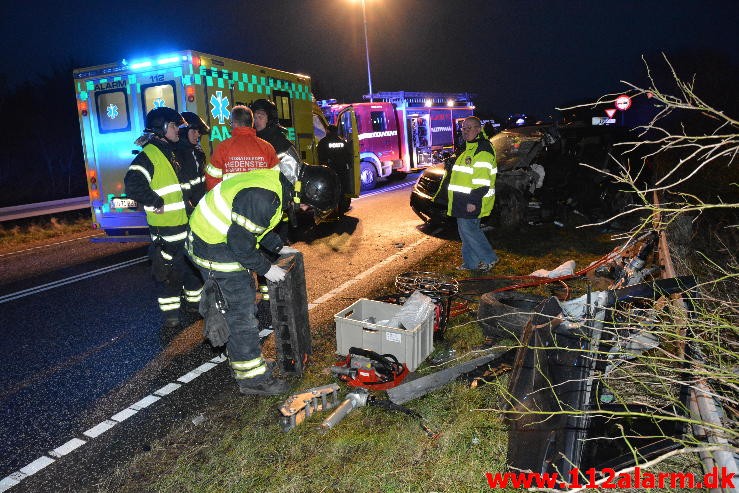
[504,315]
[367,176]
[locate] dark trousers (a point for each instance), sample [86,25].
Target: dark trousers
[240,294]
[181,275]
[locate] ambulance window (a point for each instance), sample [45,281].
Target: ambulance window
[284,114]
[319,130]
[379,124]
[157,95]
[112,111]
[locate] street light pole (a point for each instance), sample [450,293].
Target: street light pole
[366,50]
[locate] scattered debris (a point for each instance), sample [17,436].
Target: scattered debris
[302,405]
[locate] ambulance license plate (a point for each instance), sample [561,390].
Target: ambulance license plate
[122,203]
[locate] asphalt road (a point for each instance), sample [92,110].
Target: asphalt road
[89,378]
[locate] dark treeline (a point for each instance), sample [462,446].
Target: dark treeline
[41,154]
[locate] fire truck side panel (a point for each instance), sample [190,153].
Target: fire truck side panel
[378,135]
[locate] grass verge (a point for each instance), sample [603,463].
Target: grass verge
[241,447]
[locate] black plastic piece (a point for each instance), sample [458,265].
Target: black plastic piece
[288,304]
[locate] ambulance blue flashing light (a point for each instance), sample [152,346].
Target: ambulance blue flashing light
[163,60]
[138,65]
[171,59]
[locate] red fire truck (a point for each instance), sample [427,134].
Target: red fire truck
[400,132]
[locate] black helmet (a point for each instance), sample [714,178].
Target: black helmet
[319,187]
[158,119]
[194,122]
[268,107]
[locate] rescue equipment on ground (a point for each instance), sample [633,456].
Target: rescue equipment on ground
[304,404]
[442,290]
[367,369]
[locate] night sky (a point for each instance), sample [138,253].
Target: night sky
[525,56]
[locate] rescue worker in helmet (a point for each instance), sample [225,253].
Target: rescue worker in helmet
[267,125]
[153,180]
[230,228]
[192,158]
[336,153]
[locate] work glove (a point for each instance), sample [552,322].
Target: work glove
[275,274]
[287,250]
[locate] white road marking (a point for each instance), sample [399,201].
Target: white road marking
[49,245]
[63,282]
[63,450]
[123,415]
[167,389]
[99,428]
[36,465]
[145,402]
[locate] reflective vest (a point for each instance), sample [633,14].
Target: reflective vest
[214,214]
[165,184]
[474,168]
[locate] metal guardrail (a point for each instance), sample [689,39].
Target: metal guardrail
[703,408]
[43,208]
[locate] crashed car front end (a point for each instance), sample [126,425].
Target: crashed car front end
[427,201]
[540,178]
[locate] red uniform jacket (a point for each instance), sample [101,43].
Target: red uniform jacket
[240,153]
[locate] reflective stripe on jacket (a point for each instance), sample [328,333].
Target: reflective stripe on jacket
[165,184]
[214,214]
[473,170]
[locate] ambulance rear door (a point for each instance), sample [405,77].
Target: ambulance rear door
[117,110]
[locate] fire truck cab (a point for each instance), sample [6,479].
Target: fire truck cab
[400,132]
[113,100]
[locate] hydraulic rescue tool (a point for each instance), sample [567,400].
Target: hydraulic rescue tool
[428,383]
[302,405]
[362,397]
[368,369]
[353,400]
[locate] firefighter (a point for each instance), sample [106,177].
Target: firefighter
[240,153]
[191,156]
[192,179]
[267,123]
[229,229]
[471,194]
[153,180]
[336,153]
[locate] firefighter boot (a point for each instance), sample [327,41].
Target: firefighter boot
[263,385]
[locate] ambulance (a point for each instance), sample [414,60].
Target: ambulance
[113,100]
[400,132]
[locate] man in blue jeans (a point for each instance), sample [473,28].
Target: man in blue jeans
[471,196]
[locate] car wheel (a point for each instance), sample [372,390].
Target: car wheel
[504,315]
[367,176]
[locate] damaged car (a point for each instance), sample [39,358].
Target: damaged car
[540,177]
